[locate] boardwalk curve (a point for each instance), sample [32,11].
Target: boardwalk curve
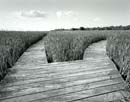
[94,79]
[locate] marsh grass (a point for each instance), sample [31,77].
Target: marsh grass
[69,45]
[118,49]
[12,45]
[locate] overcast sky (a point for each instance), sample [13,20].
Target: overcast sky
[51,14]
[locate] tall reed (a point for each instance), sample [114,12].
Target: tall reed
[69,45]
[12,45]
[118,49]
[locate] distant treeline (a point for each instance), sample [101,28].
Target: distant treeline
[99,28]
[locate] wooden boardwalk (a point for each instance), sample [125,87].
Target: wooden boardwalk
[94,79]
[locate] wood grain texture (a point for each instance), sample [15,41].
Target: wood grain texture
[93,79]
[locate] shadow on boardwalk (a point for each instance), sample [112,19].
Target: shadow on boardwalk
[94,79]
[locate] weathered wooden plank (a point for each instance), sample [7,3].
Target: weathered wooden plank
[108,97]
[121,100]
[56,73]
[34,76]
[64,67]
[69,90]
[54,84]
[82,94]
[117,96]
[70,68]
[56,64]
[124,96]
[50,76]
[70,80]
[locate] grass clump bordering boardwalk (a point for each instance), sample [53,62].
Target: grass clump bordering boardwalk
[12,45]
[69,45]
[118,49]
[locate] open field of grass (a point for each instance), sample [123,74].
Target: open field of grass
[69,45]
[12,45]
[65,46]
[118,49]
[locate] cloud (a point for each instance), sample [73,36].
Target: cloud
[97,19]
[32,14]
[59,14]
[66,14]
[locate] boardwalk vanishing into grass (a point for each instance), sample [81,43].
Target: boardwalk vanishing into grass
[94,79]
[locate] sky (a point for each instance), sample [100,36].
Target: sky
[41,15]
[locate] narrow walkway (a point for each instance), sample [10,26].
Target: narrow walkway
[94,79]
